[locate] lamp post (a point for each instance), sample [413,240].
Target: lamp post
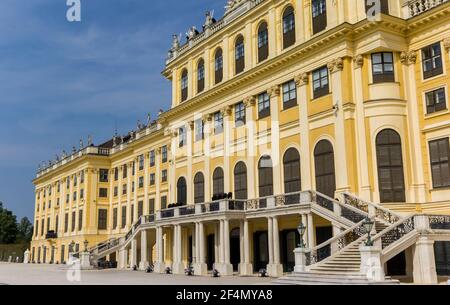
[301,231]
[368,226]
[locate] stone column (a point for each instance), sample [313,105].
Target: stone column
[178,267]
[361,145]
[123,258]
[144,251]
[409,70]
[226,112]
[270,239]
[246,268]
[251,145]
[207,152]
[371,263]
[424,262]
[200,267]
[133,253]
[336,67]
[159,265]
[274,93]
[190,143]
[225,268]
[302,82]
[276,268]
[311,232]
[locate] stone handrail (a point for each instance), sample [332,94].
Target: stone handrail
[395,232]
[372,208]
[346,211]
[344,239]
[417,7]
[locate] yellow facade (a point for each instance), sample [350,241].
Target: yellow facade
[350,116]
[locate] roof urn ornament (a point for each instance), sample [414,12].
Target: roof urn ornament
[81,144]
[149,119]
[175,42]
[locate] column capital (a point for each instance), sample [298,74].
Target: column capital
[191,125]
[302,79]
[250,101]
[359,61]
[207,117]
[408,58]
[446,43]
[336,65]
[274,91]
[226,111]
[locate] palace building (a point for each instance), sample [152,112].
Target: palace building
[317,113]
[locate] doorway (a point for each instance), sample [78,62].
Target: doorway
[322,235]
[210,251]
[290,240]
[235,248]
[260,250]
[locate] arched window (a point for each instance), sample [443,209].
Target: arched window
[201,76]
[199,188]
[182,191]
[218,181]
[239,55]
[288,27]
[263,42]
[184,85]
[240,181]
[324,164]
[265,175]
[391,180]
[218,66]
[291,165]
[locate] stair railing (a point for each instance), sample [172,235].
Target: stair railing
[346,211]
[371,208]
[395,232]
[343,240]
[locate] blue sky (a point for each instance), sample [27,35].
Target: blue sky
[61,81]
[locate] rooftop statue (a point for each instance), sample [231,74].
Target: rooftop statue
[232,4]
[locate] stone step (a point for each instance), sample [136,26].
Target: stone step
[312,278]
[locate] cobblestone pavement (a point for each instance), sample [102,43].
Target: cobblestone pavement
[20,274]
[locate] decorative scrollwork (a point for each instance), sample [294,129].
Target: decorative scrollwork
[398,232]
[440,222]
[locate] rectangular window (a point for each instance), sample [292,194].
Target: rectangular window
[114,218]
[436,100]
[163,202]
[152,158]
[263,105]
[58,187]
[103,192]
[319,15]
[152,179]
[182,137]
[124,217]
[133,169]
[151,206]
[383,67]
[36,230]
[74,196]
[132,187]
[57,202]
[199,130]
[239,114]
[141,162]
[440,163]
[102,219]
[124,171]
[116,174]
[82,194]
[82,177]
[67,183]
[116,191]
[320,82]
[218,123]
[103,175]
[73,221]
[289,94]
[432,60]
[132,213]
[67,198]
[124,189]
[66,223]
[80,220]
[164,154]
[75,180]
[164,176]
[43,227]
[141,182]
[140,208]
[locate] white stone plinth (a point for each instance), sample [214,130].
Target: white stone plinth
[301,259]
[200,269]
[26,257]
[85,261]
[178,268]
[275,270]
[245,269]
[224,269]
[371,264]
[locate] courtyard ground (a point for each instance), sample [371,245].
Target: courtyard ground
[20,274]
